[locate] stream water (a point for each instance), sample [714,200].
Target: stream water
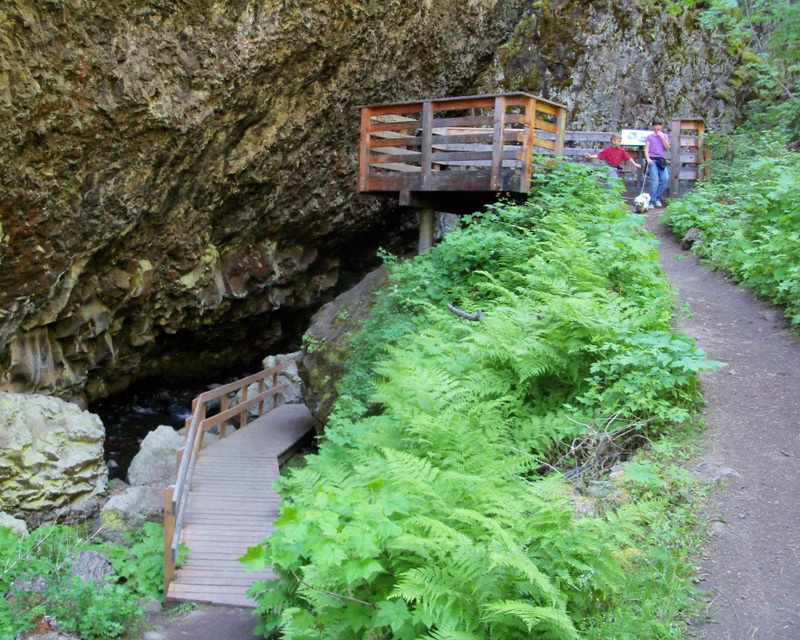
[130,416]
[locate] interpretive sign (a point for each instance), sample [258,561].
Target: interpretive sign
[634,137]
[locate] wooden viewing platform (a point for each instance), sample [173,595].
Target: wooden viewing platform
[458,154]
[224,501]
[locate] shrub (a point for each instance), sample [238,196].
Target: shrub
[748,217]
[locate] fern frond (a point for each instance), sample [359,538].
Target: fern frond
[545,620]
[541,586]
[410,470]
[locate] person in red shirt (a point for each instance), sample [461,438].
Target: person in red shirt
[614,154]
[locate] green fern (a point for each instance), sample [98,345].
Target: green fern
[427,513]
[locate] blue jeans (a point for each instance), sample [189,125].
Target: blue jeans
[659,178]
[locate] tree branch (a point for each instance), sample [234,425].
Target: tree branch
[474,317]
[331,593]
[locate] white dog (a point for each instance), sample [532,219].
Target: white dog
[641,202]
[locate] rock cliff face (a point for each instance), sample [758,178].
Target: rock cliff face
[171,170]
[617,63]
[177,179]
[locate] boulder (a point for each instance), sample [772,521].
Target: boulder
[92,566]
[16,525]
[128,511]
[693,236]
[51,459]
[326,348]
[290,376]
[155,464]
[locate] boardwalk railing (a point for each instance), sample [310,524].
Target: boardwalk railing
[456,154]
[468,144]
[175,496]
[688,153]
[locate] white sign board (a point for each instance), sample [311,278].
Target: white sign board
[634,137]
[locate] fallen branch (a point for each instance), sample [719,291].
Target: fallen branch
[474,317]
[332,593]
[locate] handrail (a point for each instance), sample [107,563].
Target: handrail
[423,150]
[481,143]
[175,496]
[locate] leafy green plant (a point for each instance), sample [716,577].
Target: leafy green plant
[748,218]
[139,563]
[38,580]
[431,509]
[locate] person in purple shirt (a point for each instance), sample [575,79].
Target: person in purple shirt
[656,146]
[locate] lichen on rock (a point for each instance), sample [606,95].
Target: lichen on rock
[51,459]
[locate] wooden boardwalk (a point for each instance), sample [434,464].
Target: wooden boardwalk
[232,506]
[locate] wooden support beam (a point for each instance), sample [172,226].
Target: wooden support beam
[363,166]
[675,158]
[427,144]
[497,143]
[427,226]
[169,531]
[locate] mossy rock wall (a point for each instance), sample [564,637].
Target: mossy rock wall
[617,64]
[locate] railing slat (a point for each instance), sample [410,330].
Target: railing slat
[427,142]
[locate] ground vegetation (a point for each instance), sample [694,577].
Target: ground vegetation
[46,587]
[461,489]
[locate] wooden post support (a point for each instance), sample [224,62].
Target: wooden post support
[224,403]
[275,384]
[363,149]
[243,414]
[704,170]
[169,531]
[495,182]
[675,158]
[427,145]
[561,130]
[527,144]
[427,225]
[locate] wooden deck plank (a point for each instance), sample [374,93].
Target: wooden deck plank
[228,513]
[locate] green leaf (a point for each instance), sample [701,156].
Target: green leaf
[393,613]
[255,558]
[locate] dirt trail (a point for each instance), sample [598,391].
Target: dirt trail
[752,565]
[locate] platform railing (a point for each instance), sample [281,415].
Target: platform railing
[176,496]
[481,143]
